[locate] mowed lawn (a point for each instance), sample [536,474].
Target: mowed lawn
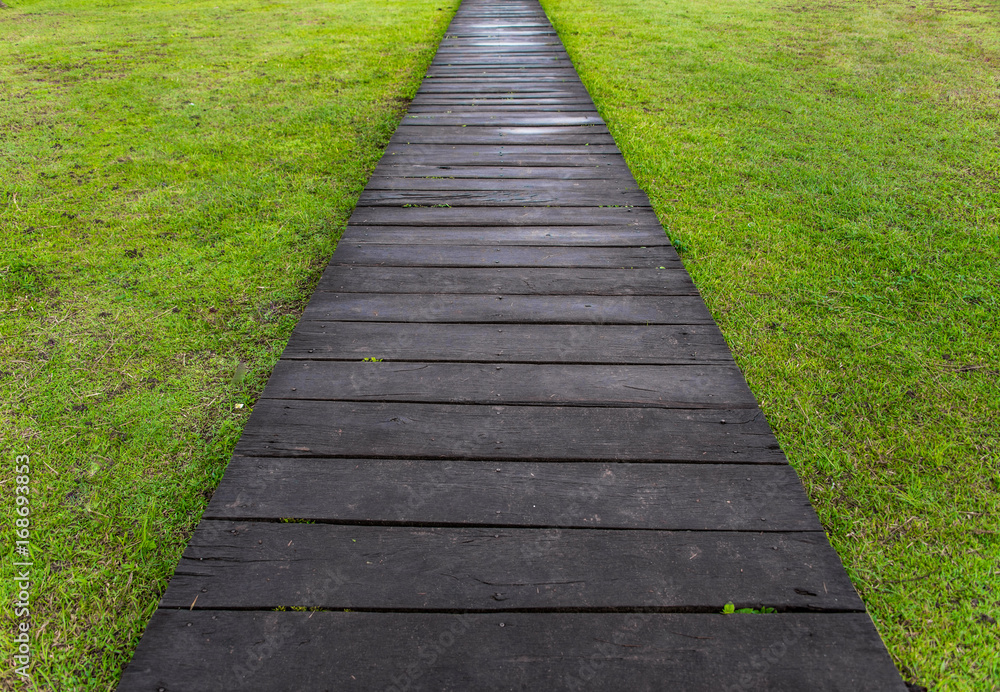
[173,177]
[175,174]
[831,176]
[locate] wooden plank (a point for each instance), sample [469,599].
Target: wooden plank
[505,101]
[604,161]
[487,51]
[512,309]
[373,254]
[498,61]
[259,565]
[596,236]
[582,133]
[540,159]
[286,428]
[493,172]
[528,216]
[501,198]
[524,343]
[205,651]
[654,386]
[681,497]
[499,118]
[495,82]
[435,151]
[552,187]
[565,71]
[512,108]
[517,281]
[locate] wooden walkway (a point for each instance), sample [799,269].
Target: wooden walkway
[556,477]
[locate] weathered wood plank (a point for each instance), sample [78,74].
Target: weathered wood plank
[375,254]
[553,187]
[658,386]
[497,117]
[514,309]
[681,497]
[205,651]
[524,216]
[516,106]
[513,135]
[530,433]
[435,151]
[613,161]
[507,281]
[259,565]
[511,172]
[502,198]
[595,236]
[511,343]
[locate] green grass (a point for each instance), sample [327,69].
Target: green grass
[174,176]
[830,173]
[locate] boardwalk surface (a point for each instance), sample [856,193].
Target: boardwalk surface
[555,477]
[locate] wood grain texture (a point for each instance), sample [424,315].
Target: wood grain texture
[658,386]
[681,497]
[493,236]
[577,134]
[527,216]
[612,188]
[205,651]
[242,565]
[650,257]
[507,281]
[581,159]
[548,172]
[513,343]
[500,310]
[493,118]
[532,433]
[501,198]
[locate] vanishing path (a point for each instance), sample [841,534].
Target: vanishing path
[555,478]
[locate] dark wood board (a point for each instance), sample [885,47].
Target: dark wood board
[511,172]
[657,386]
[475,106]
[504,159]
[507,281]
[434,151]
[595,236]
[476,61]
[681,497]
[476,80]
[613,187]
[286,428]
[260,565]
[581,133]
[375,254]
[524,216]
[436,103]
[206,651]
[512,343]
[512,309]
[502,198]
[463,72]
[500,118]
